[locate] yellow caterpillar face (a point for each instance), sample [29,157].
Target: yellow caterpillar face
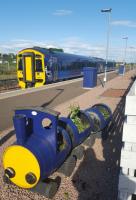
[21,166]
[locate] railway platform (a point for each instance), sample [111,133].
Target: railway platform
[96,176]
[49,95]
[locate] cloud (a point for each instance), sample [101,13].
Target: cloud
[62,12]
[18,44]
[77,46]
[70,45]
[126,23]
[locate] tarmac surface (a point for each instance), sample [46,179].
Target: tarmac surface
[51,96]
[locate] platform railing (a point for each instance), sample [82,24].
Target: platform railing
[127,177]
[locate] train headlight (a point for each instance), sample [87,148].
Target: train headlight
[21,166]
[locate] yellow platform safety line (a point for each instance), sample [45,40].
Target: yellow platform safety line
[23,162]
[42,75]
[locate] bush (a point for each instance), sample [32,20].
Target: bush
[77,120]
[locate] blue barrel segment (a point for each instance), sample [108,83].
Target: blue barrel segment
[101,115]
[89,77]
[121,70]
[42,148]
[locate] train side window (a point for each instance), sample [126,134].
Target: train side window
[39,65]
[20,64]
[38,56]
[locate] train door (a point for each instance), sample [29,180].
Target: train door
[29,68]
[55,67]
[28,63]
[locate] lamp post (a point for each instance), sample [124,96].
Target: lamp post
[125,51]
[108,37]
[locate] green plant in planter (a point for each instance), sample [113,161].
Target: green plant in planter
[104,112]
[77,120]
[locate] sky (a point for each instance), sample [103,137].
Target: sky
[77,26]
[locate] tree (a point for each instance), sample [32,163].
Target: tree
[56,49]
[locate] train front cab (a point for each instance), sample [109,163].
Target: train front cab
[30,68]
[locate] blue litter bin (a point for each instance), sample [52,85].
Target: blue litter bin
[90,77]
[121,70]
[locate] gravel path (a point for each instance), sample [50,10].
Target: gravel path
[96,176]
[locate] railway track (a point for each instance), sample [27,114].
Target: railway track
[8,84]
[12,84]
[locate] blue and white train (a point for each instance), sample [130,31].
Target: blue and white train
[37,66]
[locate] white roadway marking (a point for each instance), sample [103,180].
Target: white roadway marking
[45,87]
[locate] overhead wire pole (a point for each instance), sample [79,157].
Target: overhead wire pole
[108,39]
